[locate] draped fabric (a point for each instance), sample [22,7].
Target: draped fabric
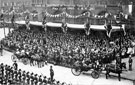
[87,28]
[13,19]
[120,21]
[64,26]
[44,23]
[27,22]
[108,28]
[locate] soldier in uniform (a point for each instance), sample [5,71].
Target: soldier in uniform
[23,77]
[15,74]
[27,78]
[15,65]
[51,73]
[12,72]
[6,72]
[1,79]
[32,79]
[44,81]
[35,79]
[40,80]
[19,75]
[130,61]
[2,69]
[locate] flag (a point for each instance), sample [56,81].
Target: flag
[27,22]
[108,28]
[123,27]
[44,24]
[64,26]
[87,28]
[13,19]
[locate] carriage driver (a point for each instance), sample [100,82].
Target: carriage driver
[86,62]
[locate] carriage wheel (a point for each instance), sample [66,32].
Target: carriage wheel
[76,71]
[25,61]
[13,58]
[95,74]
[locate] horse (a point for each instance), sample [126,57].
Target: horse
[118,68]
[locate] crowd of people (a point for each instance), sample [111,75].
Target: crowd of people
[65,49]
[11,75]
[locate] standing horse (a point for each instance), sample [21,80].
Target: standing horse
[115,69]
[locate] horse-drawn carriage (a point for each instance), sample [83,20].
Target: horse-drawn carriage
[78,68]
[22,58]
[25,58]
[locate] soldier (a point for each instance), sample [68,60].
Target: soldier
[130,61]
[19,75]
[44,81]
[51,73]
[1,75]
[31,79]
[40,80]
[15,74]
[12,73]
[2,69]
[27,78]
[15,65]
[6,71]
[35,79]
[23,77]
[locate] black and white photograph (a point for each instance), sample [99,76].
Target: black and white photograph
[67,42]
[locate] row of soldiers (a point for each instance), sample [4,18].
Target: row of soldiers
[10,75]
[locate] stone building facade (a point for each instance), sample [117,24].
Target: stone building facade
[41,5]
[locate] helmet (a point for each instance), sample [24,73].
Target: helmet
[31,73]
[1,63]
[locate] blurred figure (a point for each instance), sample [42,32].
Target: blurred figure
[1,49]
[15,65]
[51,73]
[130,61]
